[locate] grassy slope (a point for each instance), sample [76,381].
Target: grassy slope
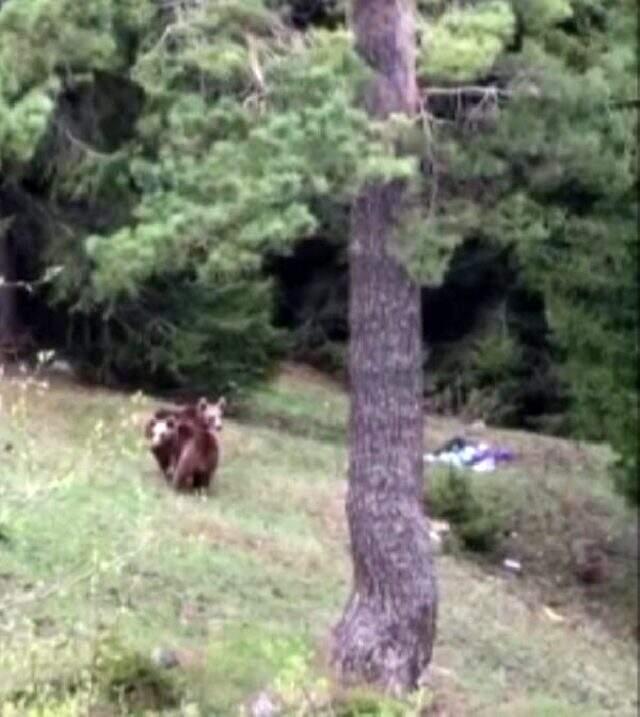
[91,541]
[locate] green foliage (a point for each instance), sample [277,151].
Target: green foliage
[67,707]
[464,43]
[218,339]
[262,169]
[246,658]
[425,242]
[544,162]
[131,680]
[480,509]
[625,470]
[228,163]
[494,358]
[22,125]
[45,42]
[601,269]
[162,155]
[361,703]
[537,16]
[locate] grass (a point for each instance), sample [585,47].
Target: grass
[245,583]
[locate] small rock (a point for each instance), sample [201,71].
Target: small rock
[513,566]
[441,527]
[438,530]
[478,425]
[436,540]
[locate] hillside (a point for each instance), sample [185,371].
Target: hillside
[102,566]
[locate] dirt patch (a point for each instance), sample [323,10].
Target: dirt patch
[308,376]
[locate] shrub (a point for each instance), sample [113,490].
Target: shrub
[184,334]
[367,702]
[132,680]
[480,508]
[627,480]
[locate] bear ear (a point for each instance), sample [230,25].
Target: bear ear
[222,402]
[202,403]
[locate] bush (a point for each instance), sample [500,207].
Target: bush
[623,432]
[480,508]
[626,478]
[183,334]
[131,680]
[117,679]
[368,702]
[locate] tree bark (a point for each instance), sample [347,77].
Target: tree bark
[386,633]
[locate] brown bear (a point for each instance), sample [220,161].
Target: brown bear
[161,431]
[205,413]
[198,458]
[184,443]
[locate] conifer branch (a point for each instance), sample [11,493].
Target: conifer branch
[626,104]
[473,90]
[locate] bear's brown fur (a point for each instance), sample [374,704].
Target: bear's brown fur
[184,442]
[198,459]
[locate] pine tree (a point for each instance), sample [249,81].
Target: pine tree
[49,52]
[387,631]
[235,166]
[143,148]
[534,147]
[180,151]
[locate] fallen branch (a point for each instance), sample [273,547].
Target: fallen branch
[29,286]
[254,63]
[474,90]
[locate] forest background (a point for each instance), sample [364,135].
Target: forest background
[175,182]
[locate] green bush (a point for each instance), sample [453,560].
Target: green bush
[625,474]
[480,508]
[184,334]
[131,680]
[363,702]
[117,676]
[364,705]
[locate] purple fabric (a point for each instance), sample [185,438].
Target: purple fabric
[499,455]
[457,446]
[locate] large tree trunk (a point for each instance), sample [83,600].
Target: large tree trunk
[386,634]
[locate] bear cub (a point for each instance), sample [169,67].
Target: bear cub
[184,442]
